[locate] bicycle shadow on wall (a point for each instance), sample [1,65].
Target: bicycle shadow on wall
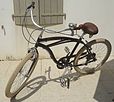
[36,84]
[105,87]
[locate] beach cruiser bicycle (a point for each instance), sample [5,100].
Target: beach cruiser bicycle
[88,59]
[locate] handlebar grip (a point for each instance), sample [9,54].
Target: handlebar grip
[32,5]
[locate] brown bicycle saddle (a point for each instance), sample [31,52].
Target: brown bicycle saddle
[89,28]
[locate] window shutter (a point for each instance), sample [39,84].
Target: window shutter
[46,12]
[19,11]
[51,12]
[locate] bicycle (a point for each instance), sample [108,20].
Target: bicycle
[80,61]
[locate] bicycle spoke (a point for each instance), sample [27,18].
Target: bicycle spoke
[100,51]
[21,77]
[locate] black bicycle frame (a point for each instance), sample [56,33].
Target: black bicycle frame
[57,41]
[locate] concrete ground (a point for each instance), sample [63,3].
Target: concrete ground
[44,87]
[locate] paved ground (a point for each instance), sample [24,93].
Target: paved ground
[98,87]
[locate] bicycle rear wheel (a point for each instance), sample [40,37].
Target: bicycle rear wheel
[101,49]
[22,73]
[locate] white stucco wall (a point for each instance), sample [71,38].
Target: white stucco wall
[7,40]
[13,45]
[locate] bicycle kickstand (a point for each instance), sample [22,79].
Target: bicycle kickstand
[68,83]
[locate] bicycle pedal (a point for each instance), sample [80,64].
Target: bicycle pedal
[75,78]
[90,71]
[63,82]
[63,85]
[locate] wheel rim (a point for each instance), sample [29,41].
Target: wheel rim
[21,77]
[101,50]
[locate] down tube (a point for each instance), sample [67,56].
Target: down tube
[49,51]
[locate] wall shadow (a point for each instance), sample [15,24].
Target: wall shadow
[30,88]
[105,88]
[36,84]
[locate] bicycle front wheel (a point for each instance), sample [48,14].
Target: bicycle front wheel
[101,49]
[22,73]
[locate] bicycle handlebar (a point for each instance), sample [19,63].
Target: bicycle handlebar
[71,25]
[31,6]
[40,27]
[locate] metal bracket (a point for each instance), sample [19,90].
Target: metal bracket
[14,16]
[54,14]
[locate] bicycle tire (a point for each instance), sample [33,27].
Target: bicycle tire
[84,48]
[28,57]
